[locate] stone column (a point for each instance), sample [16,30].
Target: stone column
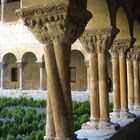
[3,10]
[55,29]
[42,80]
[21,3]
[130,82]
[3,75]
[103,91]
[89,45]
[102,41]
[116,82]
[135,57]
[123,46]
[21,75]
[88,75]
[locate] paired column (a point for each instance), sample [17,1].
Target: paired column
[3,75]
[116,82]
[3,10]
[96,44]
[42,75]
[102,48]
[123,47]
[89,45]
[55,29]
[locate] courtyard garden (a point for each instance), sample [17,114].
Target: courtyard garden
[25,119]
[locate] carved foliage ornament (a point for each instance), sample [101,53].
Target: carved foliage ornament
[135,53]
[114,53]
[121,45]
[96,40]
[53,23]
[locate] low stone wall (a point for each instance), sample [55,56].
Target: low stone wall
[129,132]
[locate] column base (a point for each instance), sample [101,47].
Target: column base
[136,107]
[115,114]
[127,115]
[93,124]
[49,138]
[74,137]
[131,106]
[107,125]
[2,88]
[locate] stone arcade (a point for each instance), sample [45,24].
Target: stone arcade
[65,36]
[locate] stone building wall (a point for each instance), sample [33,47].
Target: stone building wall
[10,11]
[18,40]
[77,62]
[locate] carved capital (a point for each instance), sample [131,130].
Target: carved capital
[135,52]
[122,45]
[135,56]
[21,64]
[89,43]
[114,53]
[87,63]
[62,22]
[3,65]
[41,64]
[129,55]
[96,40]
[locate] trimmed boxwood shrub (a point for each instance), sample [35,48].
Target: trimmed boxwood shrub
[24,119]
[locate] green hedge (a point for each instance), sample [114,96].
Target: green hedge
[22,119]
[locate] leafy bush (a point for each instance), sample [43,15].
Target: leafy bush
[24,119]
[10,137]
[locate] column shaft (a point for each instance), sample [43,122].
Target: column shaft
[123,84]
[3,76]
[116,84]
[103,91]
[21,3]
[62,53]
[3,10]
[130,81]
[88,79]
[42,75]
[50,129]
[56,98]
[94,89]
[21,76]
[136,82]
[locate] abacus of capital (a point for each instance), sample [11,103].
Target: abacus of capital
[57,26]
[97,43]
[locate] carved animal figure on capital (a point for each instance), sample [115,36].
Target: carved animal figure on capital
[132,10]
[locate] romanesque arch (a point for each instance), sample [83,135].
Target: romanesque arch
[78,71]
[10,72]
[31,71]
